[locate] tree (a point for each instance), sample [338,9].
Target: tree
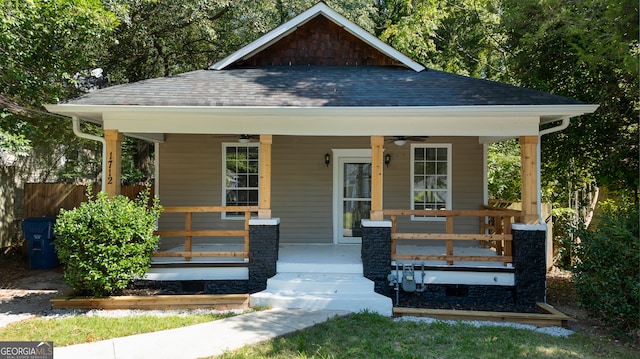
[461,37]
[588,50]
[42,45]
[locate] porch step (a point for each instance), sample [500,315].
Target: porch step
[310,267]
[335,291]
[319,283]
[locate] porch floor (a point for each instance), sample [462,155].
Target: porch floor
[331,254]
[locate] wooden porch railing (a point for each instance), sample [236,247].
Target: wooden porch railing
[188,233]
[495,224]
[502,236]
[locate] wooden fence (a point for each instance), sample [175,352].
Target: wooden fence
[46,199]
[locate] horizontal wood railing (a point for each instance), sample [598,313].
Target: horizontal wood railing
[502,236]
[496,224]
[188,233]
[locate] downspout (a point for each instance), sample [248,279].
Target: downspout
[76,130]
[560,127]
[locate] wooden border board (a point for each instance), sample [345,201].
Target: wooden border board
[552,317]
[154,302]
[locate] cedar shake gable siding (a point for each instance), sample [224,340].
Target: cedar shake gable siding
[319,42]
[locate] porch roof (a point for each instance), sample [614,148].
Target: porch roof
[318,86]
[262,97]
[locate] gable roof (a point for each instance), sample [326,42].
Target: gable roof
[320,9]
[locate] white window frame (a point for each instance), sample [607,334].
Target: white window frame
[448,146]
[225,145]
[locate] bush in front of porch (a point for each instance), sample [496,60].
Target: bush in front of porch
[105,243]
[607,274]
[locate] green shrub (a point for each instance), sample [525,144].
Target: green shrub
[105,243]
[607,273]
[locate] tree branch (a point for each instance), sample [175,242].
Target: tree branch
[16,108]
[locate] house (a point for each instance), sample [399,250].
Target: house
[319,167]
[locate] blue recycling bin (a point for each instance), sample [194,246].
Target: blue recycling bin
[40,238]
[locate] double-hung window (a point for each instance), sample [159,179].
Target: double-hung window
[240,164]
[431,178]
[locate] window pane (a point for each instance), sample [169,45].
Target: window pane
[442,154]
[253,167]
[243,197]
[242,153]
[431,154]
[253,181]
[232,197]
[441,168]
[242,181]
[430,168]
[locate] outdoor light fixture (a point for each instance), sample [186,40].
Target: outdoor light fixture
[387,159]
[327,159]
[244,139]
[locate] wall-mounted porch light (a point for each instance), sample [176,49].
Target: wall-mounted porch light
[327,159]
[387,159]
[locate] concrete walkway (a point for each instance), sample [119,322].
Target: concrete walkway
[201,340]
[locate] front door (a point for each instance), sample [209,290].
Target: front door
[352,194]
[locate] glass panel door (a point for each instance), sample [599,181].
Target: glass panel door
[356,198]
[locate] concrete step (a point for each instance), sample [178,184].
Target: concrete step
[306,267]
[327,283]
[371,301]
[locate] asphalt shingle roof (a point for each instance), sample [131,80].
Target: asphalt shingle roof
[309,86]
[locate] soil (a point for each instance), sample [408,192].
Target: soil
[25,293]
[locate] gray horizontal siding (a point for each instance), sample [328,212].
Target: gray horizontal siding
[302,184]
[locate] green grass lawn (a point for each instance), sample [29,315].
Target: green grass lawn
[84,329]
[362,335]
[372,336]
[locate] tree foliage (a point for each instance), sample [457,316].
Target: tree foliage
[43,44]
[608,271]
[588,50]
[503,170]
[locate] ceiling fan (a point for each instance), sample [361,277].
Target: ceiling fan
[247,138]
[401,140]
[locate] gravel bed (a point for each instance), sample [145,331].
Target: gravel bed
[553,331]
